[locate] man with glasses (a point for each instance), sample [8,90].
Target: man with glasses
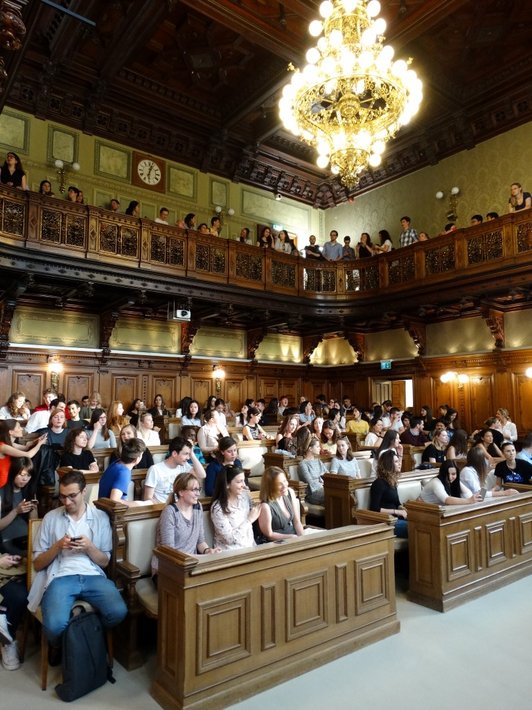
[70,554]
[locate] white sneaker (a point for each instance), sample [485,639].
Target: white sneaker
[5,636]
[10,659]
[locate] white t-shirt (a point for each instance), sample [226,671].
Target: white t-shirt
[161,478]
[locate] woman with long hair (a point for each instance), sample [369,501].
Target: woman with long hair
[375,435]
[328,438]
[232,510]
[146,430]
[385,242]
[191,414]
[209,434]
[476,474]
[76,453]
[101,437]
[428,419]
[311,471]
[17,505]
[279,517]
[458,447]
[45,188]
[224,455]
[391,441]
[286,436]
[436,451]
[253,431]
[126,433]
[12,173]
[116,419]
[133,208]
[16,408]
[134,412]
[447,489]
[241,418]
[181,523]
[344,461]
[383,495]
[159,407]
[491,451]
[265,239]
[365,247]
[508,428]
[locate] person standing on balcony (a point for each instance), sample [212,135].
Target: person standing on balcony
[332,251]
[408,235]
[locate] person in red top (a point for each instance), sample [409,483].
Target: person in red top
[47,398]
[414,435]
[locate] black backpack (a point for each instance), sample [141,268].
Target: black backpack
[85,665]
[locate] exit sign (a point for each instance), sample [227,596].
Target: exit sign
[386,364]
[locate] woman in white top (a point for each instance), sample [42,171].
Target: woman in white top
[344,462]
[232,511]
[282,242]
[508,428]
[15,408]
[386,242]
[191,415]
[447,489]
[476,475]
[208,434]
[219,416]
[146,431]
[374,436]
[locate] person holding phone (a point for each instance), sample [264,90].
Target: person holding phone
[71,552]
[447,489]
[232,511]
[17,506]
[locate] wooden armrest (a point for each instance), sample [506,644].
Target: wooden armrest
[299,487]
[370,517]
[128,571]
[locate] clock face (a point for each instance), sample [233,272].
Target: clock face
[149,172]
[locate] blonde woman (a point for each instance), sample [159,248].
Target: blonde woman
[508,428]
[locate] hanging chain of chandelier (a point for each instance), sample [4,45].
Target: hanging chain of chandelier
[351,97]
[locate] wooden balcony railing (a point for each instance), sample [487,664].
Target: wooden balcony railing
[59,227]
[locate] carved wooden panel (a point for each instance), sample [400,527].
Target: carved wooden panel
[165,386]
[523,413]
[268,387]
[234,393]
[480,400]
[372,583]
[201,388]
[342,593]
[497,542]
[126,388]
[422,565]
[77,385]
[306,604]
[524,529]
[268,623]
[460,555]
[31,384]
[224,633]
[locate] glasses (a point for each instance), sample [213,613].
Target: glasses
[194,490]
[69,496]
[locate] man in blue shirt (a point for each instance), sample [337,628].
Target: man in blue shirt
[115,481]
[332,251]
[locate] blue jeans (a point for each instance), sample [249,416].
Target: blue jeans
[401,527]
[64,591]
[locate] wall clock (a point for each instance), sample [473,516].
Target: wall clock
[148,172]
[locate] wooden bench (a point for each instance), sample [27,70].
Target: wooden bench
[231,625]
[461,552]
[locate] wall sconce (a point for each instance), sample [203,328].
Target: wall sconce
[55,368]
[528,373]
[219,374]
[222,213]
[451,211]
[62,171]
[451,376]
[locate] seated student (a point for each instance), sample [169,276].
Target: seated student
[414,435]
[286,436]
[116,478]
[526,452]
[224,455]
[75,421]
[209,434]
[100,436]
[71,551]
[181,523]
[447,489]
[375,436]
[512,469]
[383,495]
[15,408]
[279,517]
[252,431]
[435,452]
[159,407]
[126,434]
[161,476]
[95,402]
[311,471]
[147,431]
[116,419]
[457,449]
[491,451]
[344,462]
[17,506]
[14,600]
[189,433]
[76,455]
[476,475]
[10,430]
[191,414]
[357,425]
[232,511]
[328,438]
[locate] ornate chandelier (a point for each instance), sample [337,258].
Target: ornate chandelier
[351,97]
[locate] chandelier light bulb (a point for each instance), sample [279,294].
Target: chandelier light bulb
[455,190]
[59,164]
[439,195]
[349,5]
[322,161]
[76,166]
[373,8]
[326,9]
[313,55]
[315,28]
[379,26]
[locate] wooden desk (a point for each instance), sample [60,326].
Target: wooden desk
[460,552]
[233,624]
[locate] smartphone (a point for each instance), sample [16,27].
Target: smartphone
[75,539]
[482,493]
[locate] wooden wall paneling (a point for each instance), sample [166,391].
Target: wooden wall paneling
[235,392]
[165,386]
[398,393]
[77,384]
[268,388]
[523,411]
[289,388]
[125,388]
[310,389]
[444,393]
[32,384]
[201,388]
[481,406]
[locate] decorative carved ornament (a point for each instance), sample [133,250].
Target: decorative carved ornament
[495,322]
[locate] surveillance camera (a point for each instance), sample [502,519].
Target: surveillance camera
[278,196]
